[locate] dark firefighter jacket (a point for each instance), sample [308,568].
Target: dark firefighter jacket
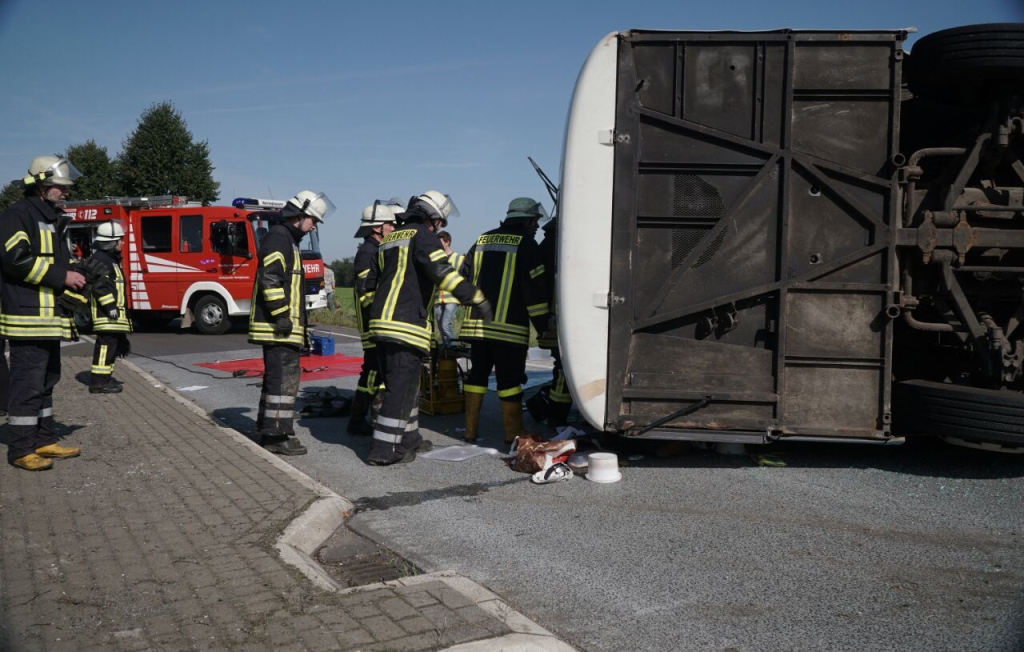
[108,294]
[35,261]
[277,291]
[366,268]
[506,264]
[412,262]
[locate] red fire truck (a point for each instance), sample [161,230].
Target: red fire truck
[191,261]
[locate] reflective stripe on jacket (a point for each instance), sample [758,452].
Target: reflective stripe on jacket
[455,260]
[412,262]
[35,260]
[277,291]
[366,268]
[108,292]
[506,264]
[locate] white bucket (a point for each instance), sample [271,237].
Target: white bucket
[603,468]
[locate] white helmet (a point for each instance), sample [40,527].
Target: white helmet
[309,203]
[439,205]
[51,171]
[109,231]
[376,214]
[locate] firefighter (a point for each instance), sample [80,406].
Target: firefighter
[506,264]
[108,309]
[378,220]
[36,264]
[277,319]
[412,262]
[555,397]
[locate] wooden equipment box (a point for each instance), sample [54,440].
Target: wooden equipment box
[441,387]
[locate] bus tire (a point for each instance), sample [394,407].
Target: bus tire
[964,65]
[971,414]
[211,315]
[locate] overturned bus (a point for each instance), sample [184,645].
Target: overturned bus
[797,235]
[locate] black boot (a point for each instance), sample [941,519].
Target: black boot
[109,388]
[104,384]
[398,455]
[382,454]
[415,441]
[282,445]
[539,405]
[357,423]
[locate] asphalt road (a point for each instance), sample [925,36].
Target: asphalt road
[844,548]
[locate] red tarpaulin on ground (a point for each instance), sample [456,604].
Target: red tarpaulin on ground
[314,367]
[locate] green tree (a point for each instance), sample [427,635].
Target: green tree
[98,180]
[10,194]
[344,272]
[160,158]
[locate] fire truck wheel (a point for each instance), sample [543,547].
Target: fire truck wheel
[211,315]
[972,414]
[966,65]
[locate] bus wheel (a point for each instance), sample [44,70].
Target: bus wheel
[211,315]
[969,64]
[970,414]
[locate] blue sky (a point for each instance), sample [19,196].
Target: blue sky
[360,100]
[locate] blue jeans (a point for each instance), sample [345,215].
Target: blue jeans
[444,315]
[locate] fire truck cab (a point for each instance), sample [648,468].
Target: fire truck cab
[190,261]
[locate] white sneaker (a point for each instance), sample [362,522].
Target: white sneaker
[554,473]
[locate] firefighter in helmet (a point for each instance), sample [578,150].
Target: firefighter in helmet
[36,270]
[412,263]
[506,264]
[378,220]
[277,319]
[108,308]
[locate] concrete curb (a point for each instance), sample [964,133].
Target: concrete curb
[328,512]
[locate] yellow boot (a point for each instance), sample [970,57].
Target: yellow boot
[512,419]
[58,451]
[32,462]
[473,404]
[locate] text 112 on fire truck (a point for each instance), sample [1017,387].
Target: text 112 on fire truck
[191,261]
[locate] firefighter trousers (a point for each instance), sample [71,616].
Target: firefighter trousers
[5,376]
[370,375]
[508,362]
[396,429]
[559,386]
[103,355]
[281,373]
[35,371]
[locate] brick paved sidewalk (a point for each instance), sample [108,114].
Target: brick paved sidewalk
[169,532]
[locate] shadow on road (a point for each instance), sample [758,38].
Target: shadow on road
[919,456]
